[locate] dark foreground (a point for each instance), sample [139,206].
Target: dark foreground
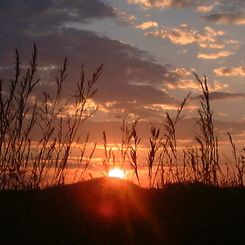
[110,211]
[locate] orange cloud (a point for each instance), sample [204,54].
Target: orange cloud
[184,35]
[212,45]
[182,72]
[147,25]
[205,8]
[161,107]
[163,3]
[213,56]
[230,71]
[184,84]
[189,84]
[124,17]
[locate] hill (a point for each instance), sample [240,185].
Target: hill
[113,211]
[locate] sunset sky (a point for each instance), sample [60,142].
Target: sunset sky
[149,49]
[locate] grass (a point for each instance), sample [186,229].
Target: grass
[30,163]
[26,162]
[191,199]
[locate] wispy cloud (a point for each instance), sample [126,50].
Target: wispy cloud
[125,17]
[184,35]
[190,84]
[214,56]
[230,71]
[184,84]
[212,45]
[233,42]
[220,11]
[182,72]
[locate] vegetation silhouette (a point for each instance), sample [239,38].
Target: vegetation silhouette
[28,162]
[191,199]
[113,211]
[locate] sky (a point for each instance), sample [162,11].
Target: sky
[149,49]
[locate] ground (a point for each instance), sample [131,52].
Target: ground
[113,211]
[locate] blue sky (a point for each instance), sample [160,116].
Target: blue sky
[149,49]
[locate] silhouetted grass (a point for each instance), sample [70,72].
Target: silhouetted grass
[29,163]
[167,163]
[195,202]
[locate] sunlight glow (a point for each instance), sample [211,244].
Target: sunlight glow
[116,173]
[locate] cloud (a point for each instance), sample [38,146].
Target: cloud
[220,11]
[124,17]
[187,130]
[164,3]
[38,19]
[230,71]
[227,12]
[184,84]
[189,84]
[222,96]
[182,72]
[212,45]
[205,8]
[55,40]
[147,25]
[233,42]
[46,15]
[227,18]
[68,9]
[213,56]
[185,35]
[114,85]
[218,7]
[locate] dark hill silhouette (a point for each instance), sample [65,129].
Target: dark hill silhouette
[113,211]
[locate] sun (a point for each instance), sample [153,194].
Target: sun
[116,173]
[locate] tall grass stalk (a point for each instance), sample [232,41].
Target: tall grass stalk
[27,162]
[208,142]
[239,162]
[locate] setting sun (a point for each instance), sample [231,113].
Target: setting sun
[116,173]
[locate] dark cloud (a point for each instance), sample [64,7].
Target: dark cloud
[227,12]
[227,18]
[124,65]
[229,6]
[30,20]
[222,96]
[36,15]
